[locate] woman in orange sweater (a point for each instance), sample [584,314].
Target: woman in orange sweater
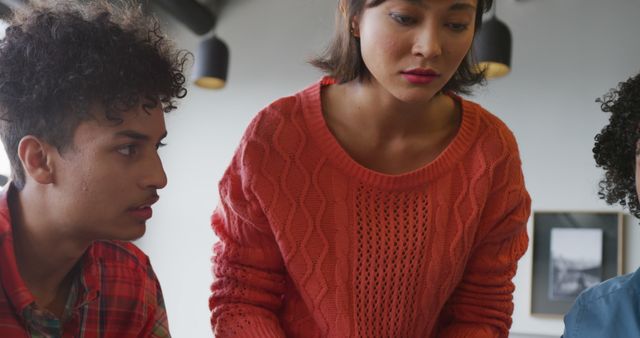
[376,202]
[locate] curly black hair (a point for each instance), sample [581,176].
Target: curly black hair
[58,60]
[616,146]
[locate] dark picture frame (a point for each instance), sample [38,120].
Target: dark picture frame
[572,250]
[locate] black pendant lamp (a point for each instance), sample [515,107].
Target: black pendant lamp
[212,63]
[212,58]
[492,48]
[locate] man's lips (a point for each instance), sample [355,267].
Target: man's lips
[143,211]
[142,214]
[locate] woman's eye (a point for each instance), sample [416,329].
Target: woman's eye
[127,150]
[458,27]
[402,19]
[160,145]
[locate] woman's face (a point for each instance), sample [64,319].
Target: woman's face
[412,48]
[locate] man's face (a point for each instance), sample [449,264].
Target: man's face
[107,180]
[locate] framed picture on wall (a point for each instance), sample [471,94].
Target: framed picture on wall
[572,250]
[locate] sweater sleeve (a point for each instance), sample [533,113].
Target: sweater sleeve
[247,265]
[482,304]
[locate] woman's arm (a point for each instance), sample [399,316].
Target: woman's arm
[482,304]
[249,273]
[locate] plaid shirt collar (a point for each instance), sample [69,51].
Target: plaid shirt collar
[87,286]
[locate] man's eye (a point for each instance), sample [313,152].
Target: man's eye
[127,150]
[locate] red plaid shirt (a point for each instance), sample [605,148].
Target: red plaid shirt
[116,294]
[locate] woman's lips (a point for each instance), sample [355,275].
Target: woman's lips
[420,76]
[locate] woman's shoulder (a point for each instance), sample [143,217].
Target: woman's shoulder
[281,108]
[272,118]
[286,109]
[309,96]
[488,119]
[492,131]
[281,124]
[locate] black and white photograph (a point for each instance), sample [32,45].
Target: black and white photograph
[576,261]
[572,250]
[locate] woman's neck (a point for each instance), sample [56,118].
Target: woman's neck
[363,105]
[385,134]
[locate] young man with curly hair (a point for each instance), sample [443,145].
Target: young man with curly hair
[612,308]
[83,92]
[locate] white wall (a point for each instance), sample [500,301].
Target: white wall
[566,54]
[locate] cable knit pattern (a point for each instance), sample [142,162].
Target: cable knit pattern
[312,244]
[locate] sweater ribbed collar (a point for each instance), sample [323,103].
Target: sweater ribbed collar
[320,133]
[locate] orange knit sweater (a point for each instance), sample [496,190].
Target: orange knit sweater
[312,244]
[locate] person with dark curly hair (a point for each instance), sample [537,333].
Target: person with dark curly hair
[83,92]
[377,202]
[612,308]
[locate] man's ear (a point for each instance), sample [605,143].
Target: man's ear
[36,158]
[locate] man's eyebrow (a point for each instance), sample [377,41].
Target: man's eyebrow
[136,135]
